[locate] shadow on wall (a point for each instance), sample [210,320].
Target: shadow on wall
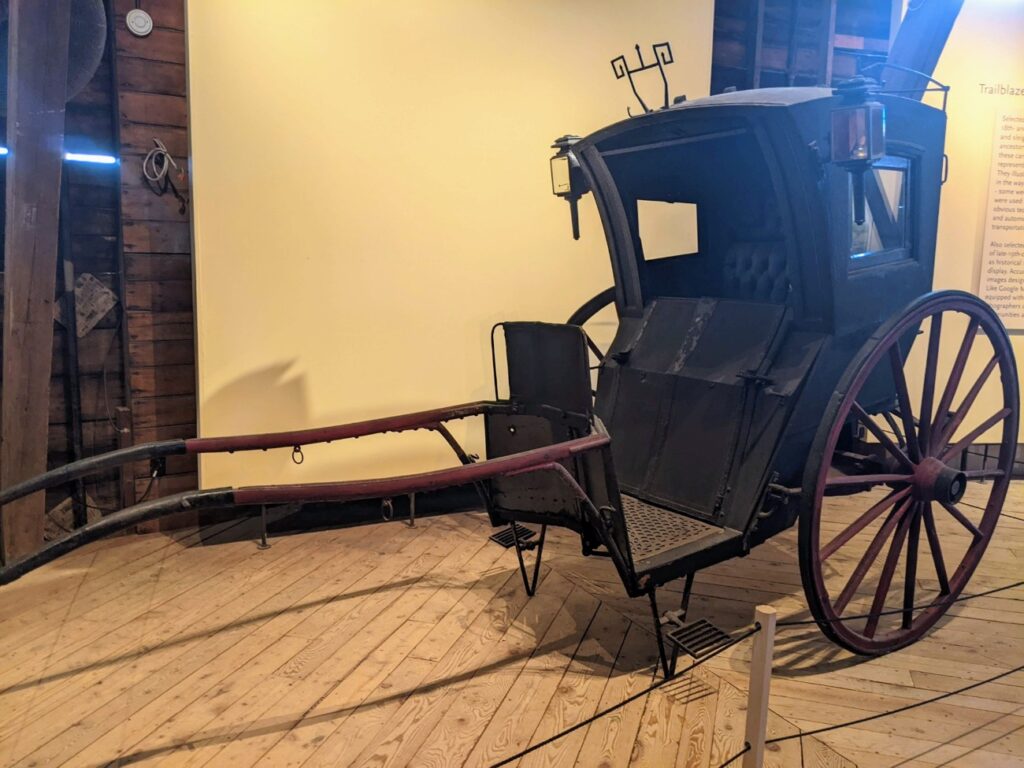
[229,411]
[235,409]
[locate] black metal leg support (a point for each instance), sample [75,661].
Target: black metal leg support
[665,668]
[263,528]
[530,584]
[668,661]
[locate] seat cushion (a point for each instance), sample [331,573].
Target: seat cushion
[755,270]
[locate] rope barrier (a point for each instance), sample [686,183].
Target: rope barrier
[740,638]
[915,705]
[1001,514]
[630,699]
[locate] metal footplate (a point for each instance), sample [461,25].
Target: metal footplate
[507,538]
[698,639]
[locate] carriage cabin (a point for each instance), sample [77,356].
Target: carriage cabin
[789,256]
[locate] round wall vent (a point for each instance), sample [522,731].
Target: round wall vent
[139,22]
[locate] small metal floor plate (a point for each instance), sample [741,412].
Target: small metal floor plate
[698,638]
[507,539]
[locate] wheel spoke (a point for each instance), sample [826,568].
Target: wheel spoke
[974,434]
[910,583]
[903,395]
[885,578]
[880,435]
[950,428]
[869,480]
[928,390]
[936,548]
[961,518]
[895,517]
[955,374]
[862,522]
[983,474]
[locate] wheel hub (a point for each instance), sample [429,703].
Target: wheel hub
[934,481]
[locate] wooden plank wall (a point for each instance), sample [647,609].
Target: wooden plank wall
[157,239]
[793,34]
[155,375]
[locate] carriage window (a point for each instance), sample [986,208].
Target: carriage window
[887,209]
[667,229]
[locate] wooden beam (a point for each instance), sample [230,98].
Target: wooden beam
[755,39]
[37,88]
[827,43]
[918,45]
[72,381]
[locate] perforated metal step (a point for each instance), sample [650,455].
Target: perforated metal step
[653,530]
[657,534]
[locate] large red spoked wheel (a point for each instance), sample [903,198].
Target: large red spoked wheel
[894,522]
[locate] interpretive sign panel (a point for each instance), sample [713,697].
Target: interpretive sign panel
[1002,265]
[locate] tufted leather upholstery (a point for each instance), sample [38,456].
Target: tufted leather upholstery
[756,271]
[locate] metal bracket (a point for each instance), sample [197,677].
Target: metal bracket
[530,584]
[662,57]
[263,528]
[158,466]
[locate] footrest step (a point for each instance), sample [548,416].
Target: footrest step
[507,538]
[698,638]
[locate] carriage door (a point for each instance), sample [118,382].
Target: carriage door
[676,394]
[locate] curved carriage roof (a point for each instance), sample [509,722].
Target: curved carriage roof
[781,98]
[775,97]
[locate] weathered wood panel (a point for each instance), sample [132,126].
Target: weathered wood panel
[151,76]
[137,139]
[157,238]
[161,45]
[798,42]
[167,14]
[153,108]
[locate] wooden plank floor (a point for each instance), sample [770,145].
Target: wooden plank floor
[816,684]
[387,646]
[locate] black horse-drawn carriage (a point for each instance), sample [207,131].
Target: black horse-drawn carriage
[789,367]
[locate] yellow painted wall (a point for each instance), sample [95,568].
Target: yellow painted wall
[371,194]
[986,46]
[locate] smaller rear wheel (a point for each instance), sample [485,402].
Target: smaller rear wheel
[895,521]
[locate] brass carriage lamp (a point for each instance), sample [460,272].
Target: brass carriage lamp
[858,135]
[567,181]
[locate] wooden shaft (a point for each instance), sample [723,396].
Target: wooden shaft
[760,686]
[37,57]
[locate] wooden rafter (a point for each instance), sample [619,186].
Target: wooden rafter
[919,42]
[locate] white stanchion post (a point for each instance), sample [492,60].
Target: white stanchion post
[760,686]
